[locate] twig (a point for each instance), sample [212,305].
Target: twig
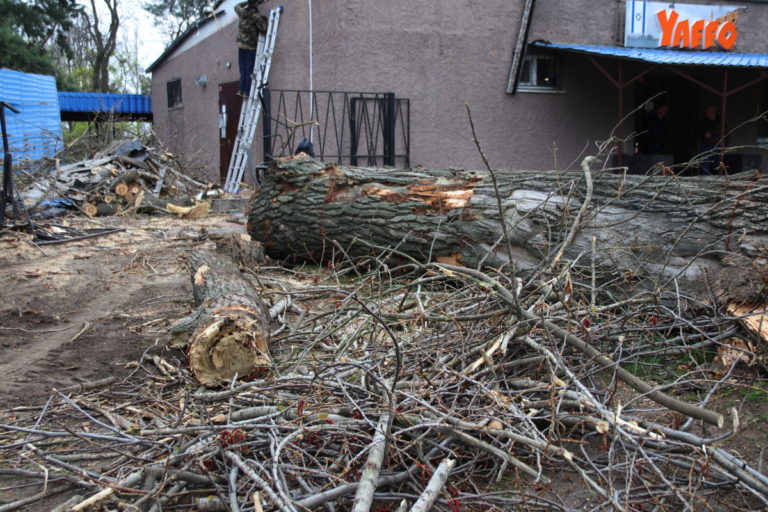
[502,217]
[129,481]
[435,485]
[369,478]
[240,463]
[576,225]
[501,454]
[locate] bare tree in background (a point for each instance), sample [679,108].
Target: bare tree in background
[104,43]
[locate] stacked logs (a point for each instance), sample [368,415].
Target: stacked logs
[127,178]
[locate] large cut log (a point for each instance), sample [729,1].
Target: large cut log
[662,226]
[231,334]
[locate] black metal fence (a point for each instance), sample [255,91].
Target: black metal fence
[348,128]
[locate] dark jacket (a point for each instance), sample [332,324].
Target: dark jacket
[710,132]
[658,135]
[251,25]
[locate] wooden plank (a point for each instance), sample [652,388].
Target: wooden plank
[753,317]
[522,40]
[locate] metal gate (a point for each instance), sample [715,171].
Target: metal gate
[347,128]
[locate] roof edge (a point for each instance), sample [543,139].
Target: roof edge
[184,36]
[664,56]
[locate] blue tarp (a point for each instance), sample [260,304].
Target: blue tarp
[36,131]
[94,102]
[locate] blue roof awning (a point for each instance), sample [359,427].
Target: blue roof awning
[669,57]
[76,106]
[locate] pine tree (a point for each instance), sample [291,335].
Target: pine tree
[29,29]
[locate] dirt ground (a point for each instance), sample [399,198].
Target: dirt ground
[85,310]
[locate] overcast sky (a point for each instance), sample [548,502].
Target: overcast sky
[137,28]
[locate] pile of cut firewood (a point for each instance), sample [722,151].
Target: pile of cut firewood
[124,178]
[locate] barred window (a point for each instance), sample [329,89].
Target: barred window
[174,93]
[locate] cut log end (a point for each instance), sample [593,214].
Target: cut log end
[121,189]
[231,347]
[90,209]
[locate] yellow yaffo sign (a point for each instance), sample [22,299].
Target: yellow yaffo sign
[686,26]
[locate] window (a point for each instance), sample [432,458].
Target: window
[174,93]
[540,73]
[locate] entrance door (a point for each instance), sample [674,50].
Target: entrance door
[683,118]
[229,116]
[682,96]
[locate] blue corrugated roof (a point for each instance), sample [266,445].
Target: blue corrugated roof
[105,103]
[35,131]
[659,56]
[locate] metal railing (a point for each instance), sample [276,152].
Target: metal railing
[348,128]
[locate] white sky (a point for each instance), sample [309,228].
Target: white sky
[137,29]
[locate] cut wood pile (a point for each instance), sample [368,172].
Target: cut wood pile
[124,178]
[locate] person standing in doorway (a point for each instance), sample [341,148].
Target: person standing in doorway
[658,133]
[251,25]
[710,137]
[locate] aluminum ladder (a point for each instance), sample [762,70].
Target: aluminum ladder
[251,109]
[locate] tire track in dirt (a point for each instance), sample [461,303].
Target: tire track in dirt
[75,313]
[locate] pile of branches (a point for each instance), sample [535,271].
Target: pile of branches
[124,177]
[398,385]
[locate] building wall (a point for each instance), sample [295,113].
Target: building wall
[191,131]
[440,55]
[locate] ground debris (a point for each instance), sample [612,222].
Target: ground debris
[426,363]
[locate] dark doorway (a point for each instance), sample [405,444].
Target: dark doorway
[229,116]
[682,98]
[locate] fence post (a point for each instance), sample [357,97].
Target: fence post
[266,124]
[6,195]
[353,132]
[390,111]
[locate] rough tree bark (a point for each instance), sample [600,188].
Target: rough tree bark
[661,227]
[231,334]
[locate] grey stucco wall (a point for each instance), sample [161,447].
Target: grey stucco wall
[191,131]
[440,55]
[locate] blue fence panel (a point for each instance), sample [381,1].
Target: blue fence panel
[35,132]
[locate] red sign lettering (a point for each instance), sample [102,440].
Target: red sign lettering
[697,34]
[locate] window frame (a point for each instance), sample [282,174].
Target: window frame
[172,86]
[533,59]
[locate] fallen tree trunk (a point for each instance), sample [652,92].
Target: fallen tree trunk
[231,334]
[662,227]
